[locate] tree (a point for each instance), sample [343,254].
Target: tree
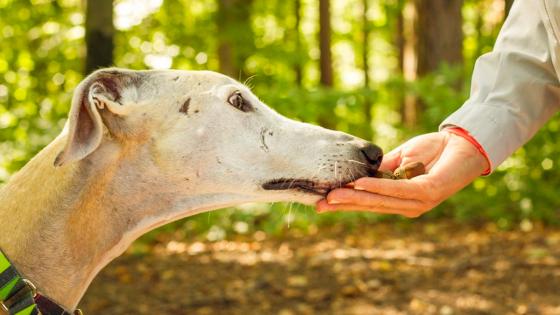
[406,42]
[365,46]
[365,64]
[100,31]
[439,33]
[297,65]
[439,39]
[400,37]
[235,36]
[325,58]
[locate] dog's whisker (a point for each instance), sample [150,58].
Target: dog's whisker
[351,174]
[319,168]
[292,183]
[339,177]
[335,170]
[290,214]
[248,81]
[358,162]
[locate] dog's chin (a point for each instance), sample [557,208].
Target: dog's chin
[306,186]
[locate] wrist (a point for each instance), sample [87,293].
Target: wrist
[479,155]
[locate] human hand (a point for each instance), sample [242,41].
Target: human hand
[451,161]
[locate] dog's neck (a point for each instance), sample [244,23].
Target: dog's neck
[60,226]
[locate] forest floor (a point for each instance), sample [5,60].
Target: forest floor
[426,268]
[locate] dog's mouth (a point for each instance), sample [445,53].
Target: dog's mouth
[304,185]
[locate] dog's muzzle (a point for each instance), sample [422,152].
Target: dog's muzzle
[371,158]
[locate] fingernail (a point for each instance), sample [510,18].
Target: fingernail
[359,187]
[333,202]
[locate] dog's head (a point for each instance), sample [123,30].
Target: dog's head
[206,134]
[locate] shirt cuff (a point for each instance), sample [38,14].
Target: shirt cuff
[500,129]
[465,134]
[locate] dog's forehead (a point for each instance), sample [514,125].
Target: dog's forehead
[175,86]
[192,78]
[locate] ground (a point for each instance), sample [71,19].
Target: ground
[427,268]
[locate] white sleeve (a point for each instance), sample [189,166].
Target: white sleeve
[514,88]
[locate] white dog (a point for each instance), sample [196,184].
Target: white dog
[144,148]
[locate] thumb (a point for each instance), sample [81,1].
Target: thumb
[391,160]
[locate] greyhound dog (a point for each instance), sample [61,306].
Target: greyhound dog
[144,148]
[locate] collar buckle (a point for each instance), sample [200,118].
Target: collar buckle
[4,308]
[31,287]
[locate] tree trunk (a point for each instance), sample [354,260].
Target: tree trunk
[400,36]
[235,36]
[439,33]
[225,57]
[407,43]
[365,63]
[298,66]
[325,58]
[479,24]
[100,31]
[439,39]
[365,46]
[400,40]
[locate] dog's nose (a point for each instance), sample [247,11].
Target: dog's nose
[373,154]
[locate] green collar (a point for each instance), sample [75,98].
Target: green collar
[18,296]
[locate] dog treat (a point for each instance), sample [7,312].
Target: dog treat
[407,171]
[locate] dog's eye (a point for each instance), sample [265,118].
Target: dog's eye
[237,100]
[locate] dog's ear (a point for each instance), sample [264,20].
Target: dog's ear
[96,103]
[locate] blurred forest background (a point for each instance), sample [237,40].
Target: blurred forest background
[385,70]
[382,70]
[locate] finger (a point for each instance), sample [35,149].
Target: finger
[391,160]
[363,198]
[323,206]
[410,189]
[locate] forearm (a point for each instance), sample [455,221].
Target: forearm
[514,89]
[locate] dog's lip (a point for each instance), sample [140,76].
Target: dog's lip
[305,185]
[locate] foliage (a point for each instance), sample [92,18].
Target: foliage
[41,61]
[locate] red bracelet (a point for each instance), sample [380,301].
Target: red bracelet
[467,136]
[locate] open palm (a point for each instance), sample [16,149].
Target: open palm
[451,163]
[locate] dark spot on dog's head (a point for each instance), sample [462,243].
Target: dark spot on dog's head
[264,146]
[185,107]
[176,78]
[196,111]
